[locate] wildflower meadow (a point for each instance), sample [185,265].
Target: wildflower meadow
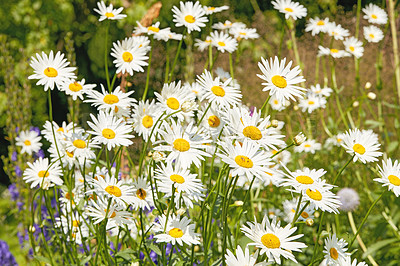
[200,132]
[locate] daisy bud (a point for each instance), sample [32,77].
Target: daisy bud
[309,222]
[356,103]
[371,95]
[368,85]
[196,248]
[188,106]
[274,123]
[32,229]
[238,203]
[158,156]
[295,108]
[135,263]
[299,139]
[150,154]
[181,211]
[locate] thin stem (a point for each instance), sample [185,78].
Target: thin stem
[106,55]
[148,71]
[231,66]
[176,56]
[395,46]
[265,104]
[341,170]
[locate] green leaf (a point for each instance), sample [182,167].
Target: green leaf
[373,123]
[155,248]
[42,259]
[125,254]
[392,146]
[378,245]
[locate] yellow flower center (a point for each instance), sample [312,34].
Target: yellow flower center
[110,99]
[108,133]
[75,87]
[154,29]
[270,241]
[303,179]
[75,223]
[80,144]
[288,9]
[371,36]
[68,195]
[374,16]
[359,148]
[334,254]
[334,51]
[141,193]
[351,48]
[244,161]
[211,8]
[279,81]
[221,43]
[113,190]
[60,130]
[70,154]
[181,145]
[307,145]
[213,121]
[127,57]
[175,233]
[190,19]
[242,33]
[304,215]
[218,91]
[311,102]
[252,132]
[276,101]
[27,142]
[112,215]
[43,173]
[208,41]
[177,178]
[315,195]
[109,15]
[321,23]
[147,121]
[50,72]
[173,103]
[394,180]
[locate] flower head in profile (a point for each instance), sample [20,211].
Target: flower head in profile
[390,175]
[290,9]
[337,31]
[108,12]
[190,15]
[375,14]
[335,53]
[363,144]
[311,103]
[214,9]
[280,79]
[51,70]
[244,33]
[273,240]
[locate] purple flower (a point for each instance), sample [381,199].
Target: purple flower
[18,171]
[36,129]
[39,154]
[14,156]
[6,258]
[13,192]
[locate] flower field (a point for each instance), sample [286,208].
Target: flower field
[200,133]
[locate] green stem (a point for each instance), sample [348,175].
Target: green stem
[106,56]
[176,56]
[341,170]
[148,71]
[231,66]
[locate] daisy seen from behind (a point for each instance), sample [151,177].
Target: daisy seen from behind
[190,15]
[273,240]
[108,12]
[280,79]
[51,70]
[362,144]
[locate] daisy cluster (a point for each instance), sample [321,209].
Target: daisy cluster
[201,145]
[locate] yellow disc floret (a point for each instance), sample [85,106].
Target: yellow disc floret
[190,19]
[173,103]
[43,173]
[147,121]
[127,57]
[113,190]
[271,241]
[181,145]
[359,148]
[79,143]
[175,233]
[394,180]
[213,121]
[218,91]
[244,161]
[303,179]
[51,72]
[75,87]
[252,132]
[108,133]
[110,99]
[177,178]
[315,195]
[279,81]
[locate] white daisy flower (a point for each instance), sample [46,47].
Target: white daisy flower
[375,14]
[290,9]
[142,40]
[73,226]
[172,96]
[29,141]
[373,34]
[79,147]
[51,70]
[144,195]
[311,103]
[290,206]
[246,159]
[43,173]
[166,35]
[176,231]
[242,258]
[337,31]
[323,92]
[217,92]
[223,42]
[273,240]
[213,121]
[150,30]
[212,10]
[335,140]
[335,53]
[129,56]
[253,128]
[190,15]
[108,12]
[390,175]
[310,145]
[184,144]
[317,25]
[110,188]
[60,132]
[354,46]
[113,101]
[227,25]
[335,251]
[302,179]
[280,79]
[278,104]
[195,89]
[244,33]
[115,216]
[202,45]
[109,131]
[144,118]
[76,88]
[354,263]
[363,145]
[180,178]
[320,197]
